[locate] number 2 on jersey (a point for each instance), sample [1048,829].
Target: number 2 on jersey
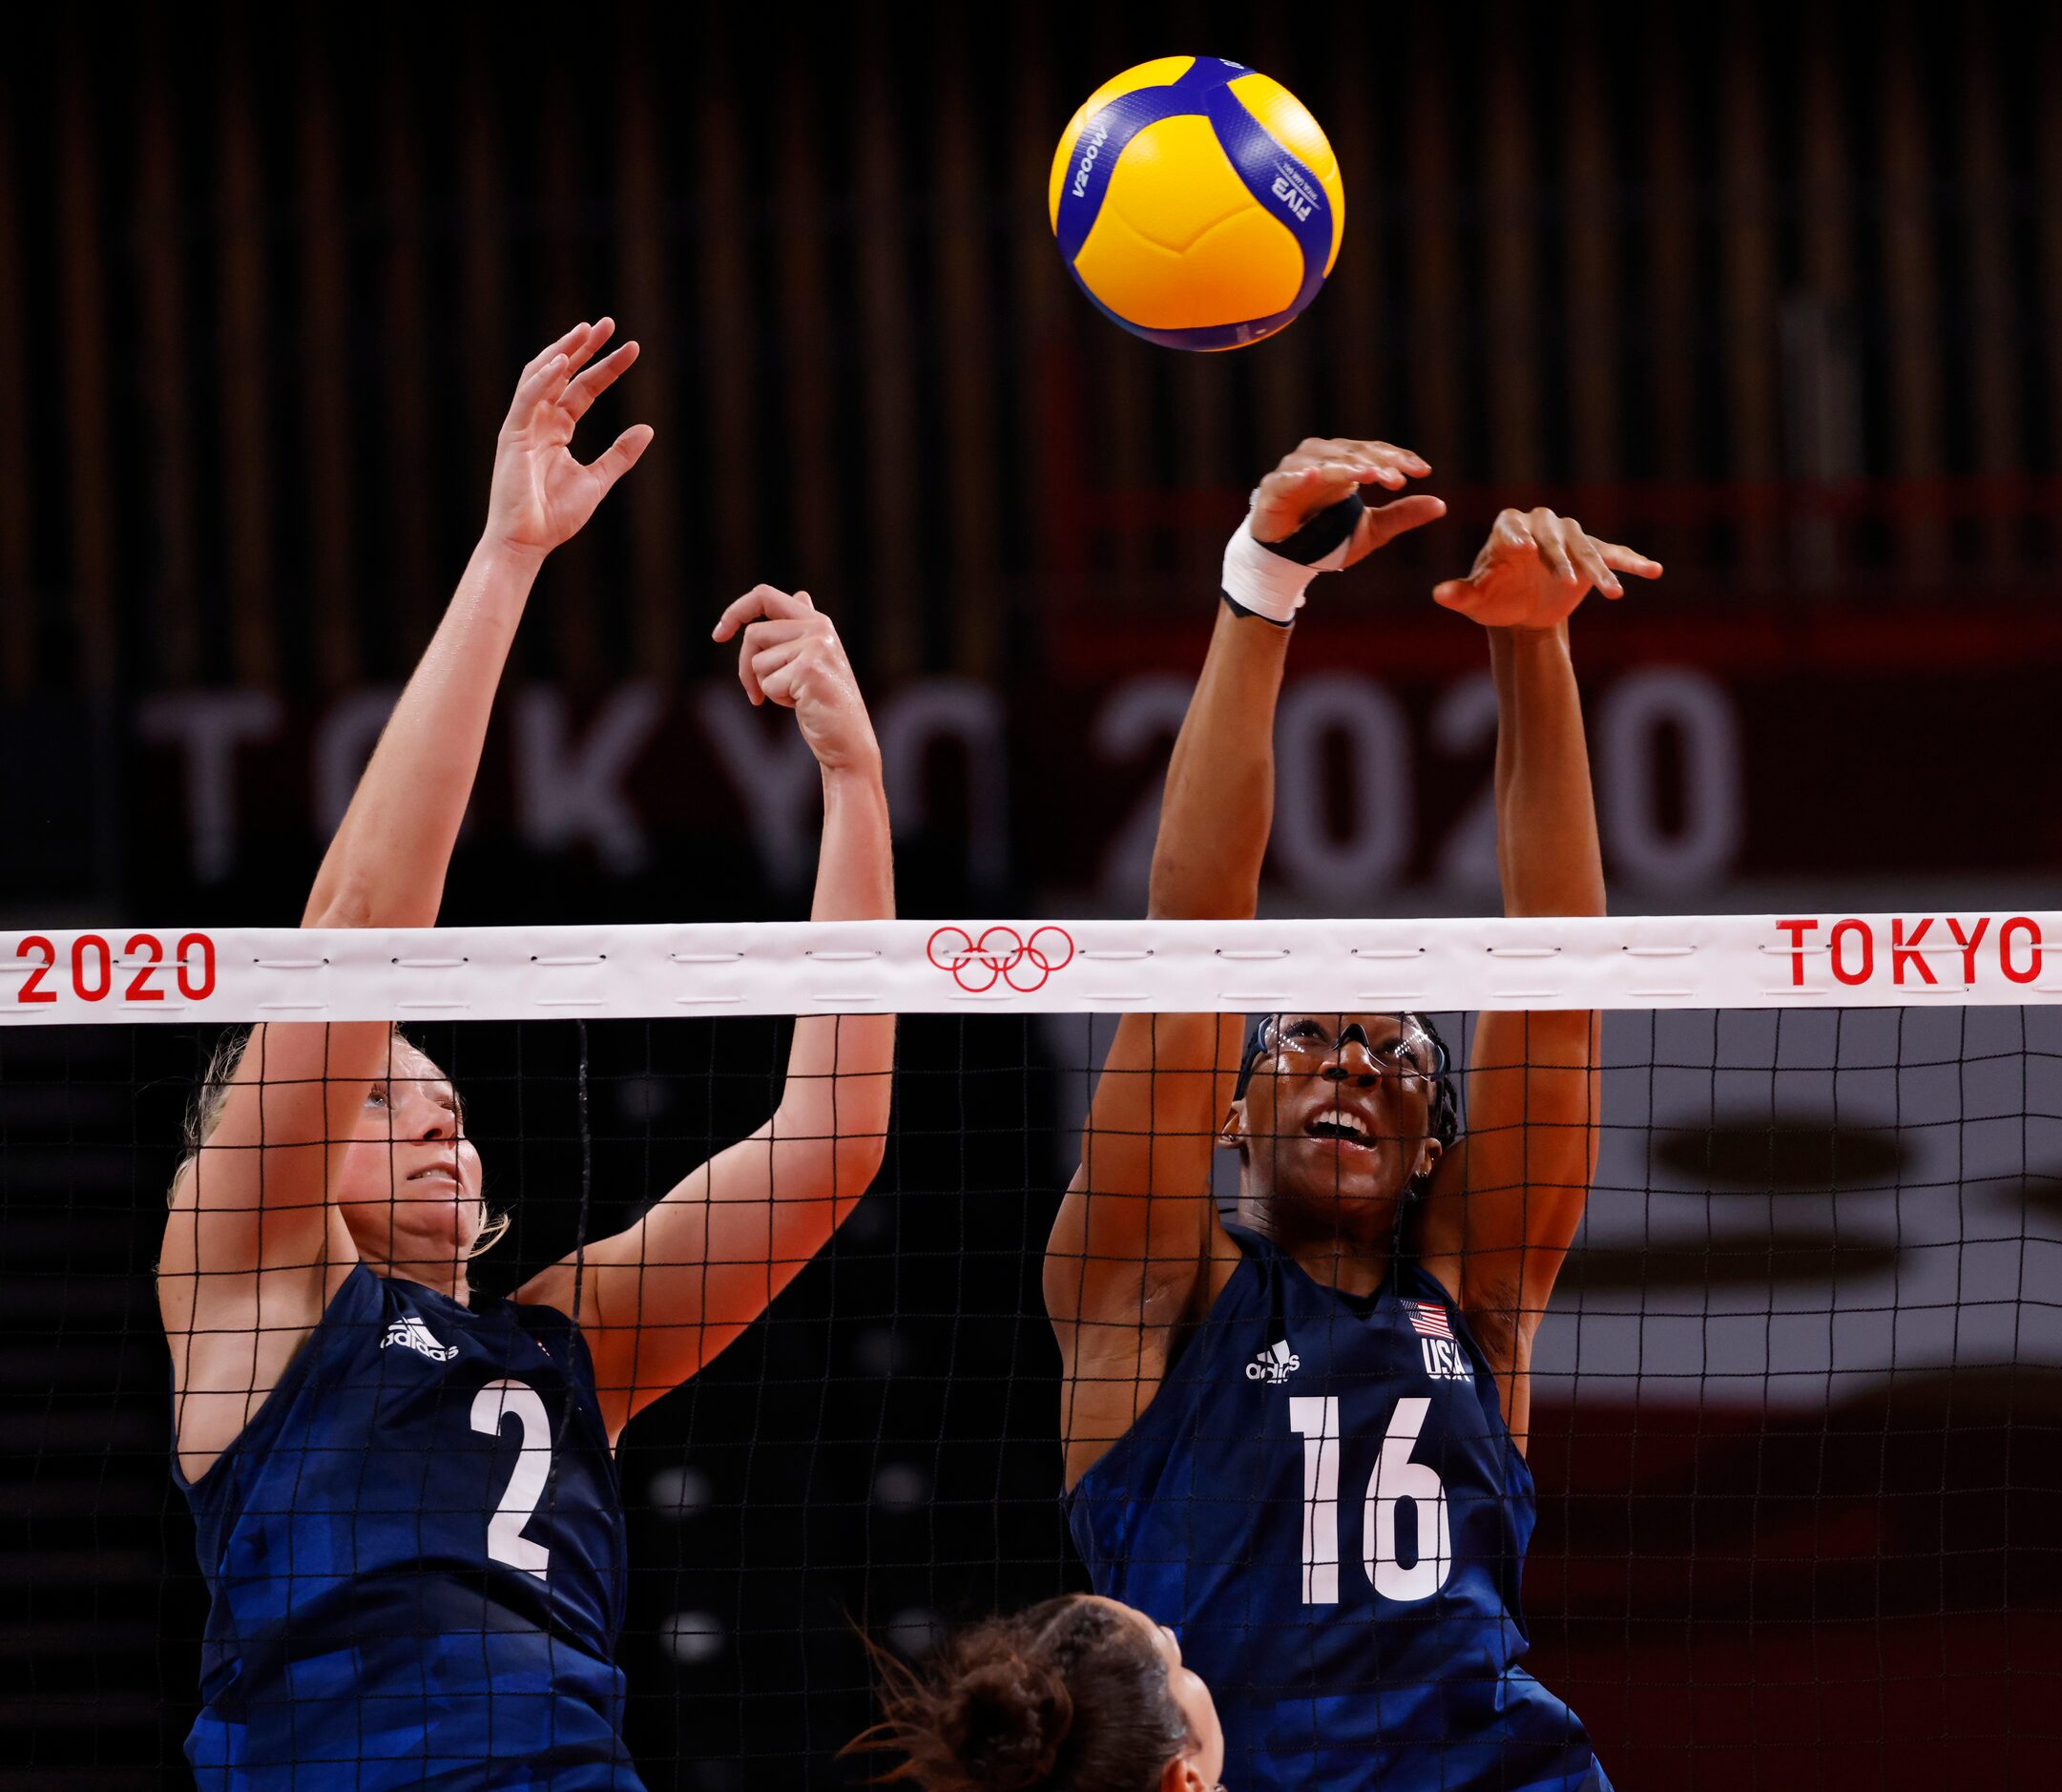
[498,1401]
[1396,1478]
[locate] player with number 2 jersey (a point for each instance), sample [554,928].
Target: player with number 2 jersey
[405,1506]
[1298,1438]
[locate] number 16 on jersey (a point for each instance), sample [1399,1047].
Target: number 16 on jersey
[1395,1479]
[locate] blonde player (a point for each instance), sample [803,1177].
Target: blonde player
[406,1506]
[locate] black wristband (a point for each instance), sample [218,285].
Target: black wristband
[1239,609]
[1323,532]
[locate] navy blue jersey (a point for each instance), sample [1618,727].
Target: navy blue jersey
[1323,1502]
[414,1554]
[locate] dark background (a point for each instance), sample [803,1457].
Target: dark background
[1772,292]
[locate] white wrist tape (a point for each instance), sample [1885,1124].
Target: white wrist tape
[1267,583]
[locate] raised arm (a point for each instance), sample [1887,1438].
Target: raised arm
[1126,1262]
[1506,1202]
[252,1247]
[659,1300]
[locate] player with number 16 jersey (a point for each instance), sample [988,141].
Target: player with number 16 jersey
[406,1509]
[1323,1502]
[1296,1438]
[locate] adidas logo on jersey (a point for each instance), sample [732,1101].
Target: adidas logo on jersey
[416,1336]
[1274,1365]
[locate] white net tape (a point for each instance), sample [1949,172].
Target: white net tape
[1027,966]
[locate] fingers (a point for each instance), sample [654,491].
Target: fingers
[597,380]
[797,674]
[1588,559]
[1453,593]
[1513,531]
[1379,527]
[622,455]
[567,345]
[766,666]
[1547,532]
[1289,497]
[783,684]
[596,335]
[784,635]
[1383,463]
[538,378]
[571,349]
[544,378]
[765,648]
[780,656]
[1628,560]
[1300,482]
[762,600]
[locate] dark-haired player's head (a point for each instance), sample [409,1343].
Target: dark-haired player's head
[1339,1118]
[408,1187]
[1080,1694]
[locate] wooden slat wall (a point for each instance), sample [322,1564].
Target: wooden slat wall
[243,345]
[1431,252]
[2048,181]
[901,497]
[813,465]
[1044,369]
[656,597]
[17,605]
[1593,220]
[83,273]
[1510,263]
[1670,319]
[736,455]
[1357,315]
[966,320]
[287,280]
[1826,443]
[1748,283]
[168,394]
[1286,406]
[1908,281]
[1993,327]
[404,366]
[324,367]
[488,349]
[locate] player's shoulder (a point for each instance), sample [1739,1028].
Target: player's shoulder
[1235,1248]
[553,1331]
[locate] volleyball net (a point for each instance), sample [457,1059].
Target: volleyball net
[1797,1422]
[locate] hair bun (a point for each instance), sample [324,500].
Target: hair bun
[1008,1719]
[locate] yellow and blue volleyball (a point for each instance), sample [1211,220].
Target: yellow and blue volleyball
[1197,202]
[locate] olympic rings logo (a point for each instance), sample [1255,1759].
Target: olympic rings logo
[1001,955]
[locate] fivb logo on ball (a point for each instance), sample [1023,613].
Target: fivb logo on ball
[1197,202]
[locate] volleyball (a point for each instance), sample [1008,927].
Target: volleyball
[1197,202]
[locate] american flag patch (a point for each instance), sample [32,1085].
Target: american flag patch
[1427,1320]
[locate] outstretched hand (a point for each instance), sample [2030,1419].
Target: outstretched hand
[1320,471]
[1535,567]
[790,654]
[541,496]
